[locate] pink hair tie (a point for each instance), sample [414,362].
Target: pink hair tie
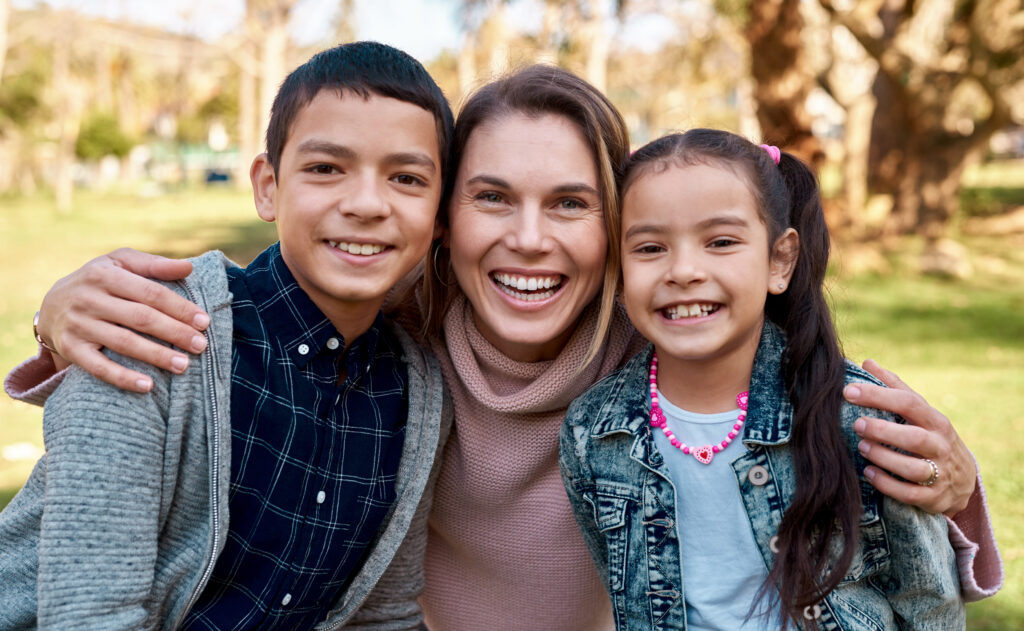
[774,152]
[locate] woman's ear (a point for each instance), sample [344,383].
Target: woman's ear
[782,261]
[264,187]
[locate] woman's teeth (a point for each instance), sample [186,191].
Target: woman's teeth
[677,312]
[363,249]
[515,285]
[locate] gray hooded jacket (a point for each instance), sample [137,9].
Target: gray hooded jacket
[121,521]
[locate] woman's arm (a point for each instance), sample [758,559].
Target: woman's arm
[107,301]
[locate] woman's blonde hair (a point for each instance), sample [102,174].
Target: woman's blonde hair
[535,91]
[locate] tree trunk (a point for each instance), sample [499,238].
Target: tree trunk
[272,60]
[5,13]
[248,133]
[783,78]
[597,44]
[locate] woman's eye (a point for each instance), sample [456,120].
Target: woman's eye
[490,197]
[571,204]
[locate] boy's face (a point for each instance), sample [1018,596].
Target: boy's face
[355,198]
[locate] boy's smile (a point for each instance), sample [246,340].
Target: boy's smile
[354,198]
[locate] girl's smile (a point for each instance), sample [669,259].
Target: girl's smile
[696,272]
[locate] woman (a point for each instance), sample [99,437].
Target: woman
[519,305]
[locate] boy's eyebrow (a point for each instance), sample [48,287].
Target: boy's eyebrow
[341,152]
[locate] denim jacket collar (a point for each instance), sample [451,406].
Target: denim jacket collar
[769,419]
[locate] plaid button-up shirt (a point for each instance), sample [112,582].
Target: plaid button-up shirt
[313,462]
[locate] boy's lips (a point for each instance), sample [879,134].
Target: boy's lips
[690,310]
[358,248]
[528,287]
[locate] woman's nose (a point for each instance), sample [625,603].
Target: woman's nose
[531,232]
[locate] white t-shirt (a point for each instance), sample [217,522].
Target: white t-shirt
[722,567]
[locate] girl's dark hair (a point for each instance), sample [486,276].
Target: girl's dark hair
[827,501]
[537,91]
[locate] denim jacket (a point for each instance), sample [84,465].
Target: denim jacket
[903,574]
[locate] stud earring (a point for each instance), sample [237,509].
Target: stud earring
[782,286]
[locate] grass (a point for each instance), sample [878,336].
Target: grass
[960,343]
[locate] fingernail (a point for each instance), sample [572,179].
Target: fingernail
[869,473]
[144,385]
[201,321]
[851,392]
[859,425]
[198,343]
[863,447]
[179,364]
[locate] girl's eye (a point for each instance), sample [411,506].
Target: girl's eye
[409,180]
[723,243]
[648,248]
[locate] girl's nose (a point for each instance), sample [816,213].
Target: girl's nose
[686,269]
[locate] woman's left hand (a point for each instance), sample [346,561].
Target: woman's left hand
[928,435]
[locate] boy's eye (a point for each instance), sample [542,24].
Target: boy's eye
[409,180]
[323,169]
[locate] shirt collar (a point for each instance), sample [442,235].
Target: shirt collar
[291,316]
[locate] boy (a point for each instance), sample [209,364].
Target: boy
[309,420]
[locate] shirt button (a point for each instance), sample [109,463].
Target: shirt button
[320,497]
[333,343]
[812,612]
[287,599]
[303,349]
[773,544]
[758,475]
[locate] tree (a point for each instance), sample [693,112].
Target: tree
[946,73]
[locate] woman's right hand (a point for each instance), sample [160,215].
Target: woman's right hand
[108,302]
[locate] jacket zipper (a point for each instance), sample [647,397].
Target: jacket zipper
[214,471]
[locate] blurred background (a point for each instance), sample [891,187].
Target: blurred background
[130,123]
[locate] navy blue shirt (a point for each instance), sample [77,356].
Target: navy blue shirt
[313,461]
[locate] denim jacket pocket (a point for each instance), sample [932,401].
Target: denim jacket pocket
[611,511]
[872,555]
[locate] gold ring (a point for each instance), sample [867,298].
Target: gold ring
[935,473]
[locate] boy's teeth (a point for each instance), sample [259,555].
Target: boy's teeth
[514,285]
[362,249]
[689,311]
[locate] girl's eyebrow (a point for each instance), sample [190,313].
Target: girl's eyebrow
[710,222]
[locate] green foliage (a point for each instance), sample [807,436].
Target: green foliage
[21,98]
[101,135]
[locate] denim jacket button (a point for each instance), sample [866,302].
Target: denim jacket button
[812,612]
[773,544]
[758,475]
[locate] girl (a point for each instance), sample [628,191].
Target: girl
[725,455]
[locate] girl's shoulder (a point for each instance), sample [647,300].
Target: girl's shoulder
[618,395]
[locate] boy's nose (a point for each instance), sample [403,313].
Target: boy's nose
[364,199]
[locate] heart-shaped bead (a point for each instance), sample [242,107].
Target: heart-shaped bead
[703,454]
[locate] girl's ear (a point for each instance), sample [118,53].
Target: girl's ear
[264,187]
[782,261]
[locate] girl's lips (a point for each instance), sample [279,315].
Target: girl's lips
[692,312]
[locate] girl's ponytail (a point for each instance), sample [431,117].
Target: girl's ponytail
[827,500]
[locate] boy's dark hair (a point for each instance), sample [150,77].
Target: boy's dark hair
[827,501]
[363,68]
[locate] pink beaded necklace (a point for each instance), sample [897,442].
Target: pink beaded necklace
[707,452]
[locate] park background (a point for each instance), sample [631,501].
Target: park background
[127,123]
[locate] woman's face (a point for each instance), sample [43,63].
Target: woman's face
[527,237]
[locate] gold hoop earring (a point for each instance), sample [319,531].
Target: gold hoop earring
[435,267]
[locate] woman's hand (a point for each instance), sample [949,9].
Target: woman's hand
[928,435]
[105,302]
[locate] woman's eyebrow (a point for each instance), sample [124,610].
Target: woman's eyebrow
[580,187]
[491,180]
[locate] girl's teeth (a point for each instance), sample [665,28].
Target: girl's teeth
[689,311]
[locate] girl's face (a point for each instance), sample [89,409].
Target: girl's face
[696,265]
[527,237]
